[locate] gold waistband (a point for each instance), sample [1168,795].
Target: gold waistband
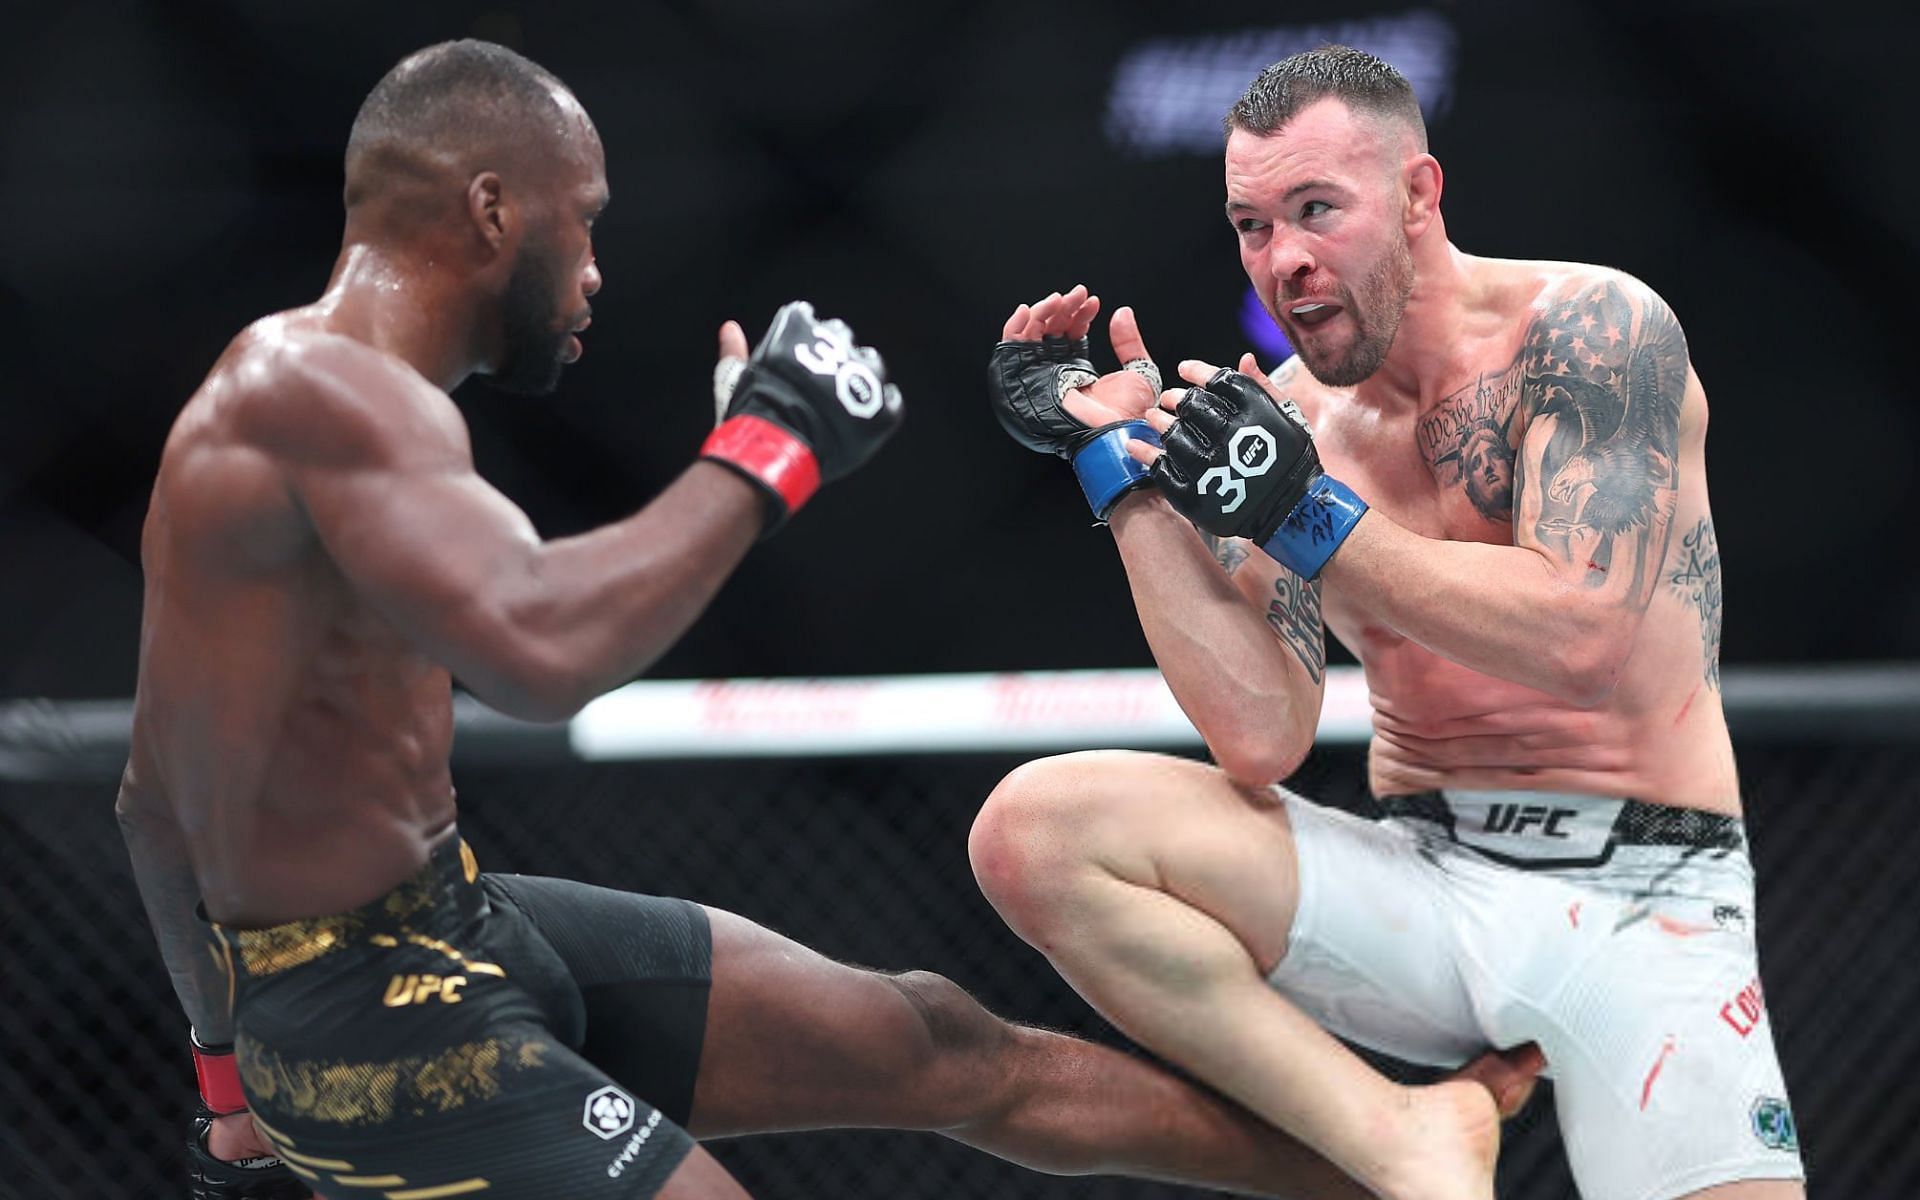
[276,948]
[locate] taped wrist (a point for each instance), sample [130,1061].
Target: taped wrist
[769,455]
[261,1177]
[1315,527]
[1106,471]
[219,1077]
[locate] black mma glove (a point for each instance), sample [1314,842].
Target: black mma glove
[809,406]
[262,1178]
[1238,465]
[1029,382]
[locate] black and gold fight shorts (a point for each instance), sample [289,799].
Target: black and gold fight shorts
[467,1034]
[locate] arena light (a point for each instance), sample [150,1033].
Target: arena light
[1169,94]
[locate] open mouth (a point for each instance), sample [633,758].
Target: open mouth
[1311,314]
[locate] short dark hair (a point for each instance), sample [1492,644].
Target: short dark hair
[1363,82]
[456,98]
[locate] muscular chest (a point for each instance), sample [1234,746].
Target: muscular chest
[1447,472]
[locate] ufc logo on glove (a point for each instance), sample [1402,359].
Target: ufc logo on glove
[1250,454]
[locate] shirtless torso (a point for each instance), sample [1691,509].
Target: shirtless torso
[1508,525]
[1534,599]
[1449,470]
[304,738]
[322,561]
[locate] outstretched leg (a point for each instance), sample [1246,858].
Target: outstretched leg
[1164,894]
[797,1041]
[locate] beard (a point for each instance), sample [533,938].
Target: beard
[1376,319]
[532,344]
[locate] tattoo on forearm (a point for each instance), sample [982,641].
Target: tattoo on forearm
[1294,614]
[1694,573]
[1228,552]
[1605,376]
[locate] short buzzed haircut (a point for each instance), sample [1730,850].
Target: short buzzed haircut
[1364,83]
[454,99]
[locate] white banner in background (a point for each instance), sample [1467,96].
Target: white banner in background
[903,714]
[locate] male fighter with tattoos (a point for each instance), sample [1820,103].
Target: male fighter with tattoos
[373,1016]
[1513,536]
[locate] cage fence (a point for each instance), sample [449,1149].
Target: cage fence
[863,857]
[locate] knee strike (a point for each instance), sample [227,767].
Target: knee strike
[1023,833]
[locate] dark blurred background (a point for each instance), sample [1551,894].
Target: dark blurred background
[171,171]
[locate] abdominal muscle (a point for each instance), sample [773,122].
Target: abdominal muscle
[1438,725]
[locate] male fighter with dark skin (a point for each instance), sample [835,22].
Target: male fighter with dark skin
[321,560]
[1528,597]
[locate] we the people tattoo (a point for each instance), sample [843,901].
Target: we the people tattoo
[1604,378]
[1693,571]
[1294,614]
[1467,440]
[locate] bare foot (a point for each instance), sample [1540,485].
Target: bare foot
[1508,1074]
[1442,1146]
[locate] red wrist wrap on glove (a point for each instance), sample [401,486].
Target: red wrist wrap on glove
[219,1078]
[770,454]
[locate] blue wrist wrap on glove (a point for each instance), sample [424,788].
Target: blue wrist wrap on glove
[1315,528]
[1106,471]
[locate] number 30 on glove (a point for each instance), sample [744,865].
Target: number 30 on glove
[809,406]
[1237,465]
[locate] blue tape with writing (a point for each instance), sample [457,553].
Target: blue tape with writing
[1316,527]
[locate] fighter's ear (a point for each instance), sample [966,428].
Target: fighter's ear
[1424,182]
[487,207]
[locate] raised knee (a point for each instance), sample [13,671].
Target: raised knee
[1023,833]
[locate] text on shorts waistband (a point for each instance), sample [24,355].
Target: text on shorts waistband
[1534,829]
[448,880]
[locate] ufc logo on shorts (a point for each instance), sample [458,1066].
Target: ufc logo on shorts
[854,383]
[403,990]
[1250,453]
[1516,818]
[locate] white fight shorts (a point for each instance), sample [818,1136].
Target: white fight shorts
[1617,935]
